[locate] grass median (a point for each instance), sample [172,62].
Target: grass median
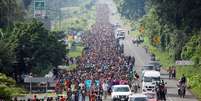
[77,52]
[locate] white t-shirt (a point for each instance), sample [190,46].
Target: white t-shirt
[105,86]
[72,87]
[81,85]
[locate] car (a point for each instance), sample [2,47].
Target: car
[156,64]
[147,68]
[149,81]
[138,97]
[120,33]
[120,92]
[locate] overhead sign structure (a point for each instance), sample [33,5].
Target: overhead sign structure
[39,8]
[184,62]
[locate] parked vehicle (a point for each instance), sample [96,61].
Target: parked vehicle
[120,92]
[147,68]
[156,64]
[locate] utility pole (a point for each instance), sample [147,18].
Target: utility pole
[59,9]
[60,18]
[30,84]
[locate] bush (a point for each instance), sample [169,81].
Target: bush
[8,88]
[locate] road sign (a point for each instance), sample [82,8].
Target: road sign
[157,39]
[39,8]
[184,62]
[39,5]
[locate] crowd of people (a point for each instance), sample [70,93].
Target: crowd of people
[101,65]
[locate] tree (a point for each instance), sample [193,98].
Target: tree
[6,58]
[131,9]
[10,11]
[8,88]
[179,12]
[192,49]
[36,49]
[6,55]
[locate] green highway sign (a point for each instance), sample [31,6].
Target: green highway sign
[39,4]
[39,8]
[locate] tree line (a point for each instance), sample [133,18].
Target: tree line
[26,46]
[176,22]
[173,27]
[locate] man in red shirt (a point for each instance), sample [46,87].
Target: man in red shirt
[35,98]
[62,98]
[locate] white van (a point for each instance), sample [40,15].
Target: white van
[149,81]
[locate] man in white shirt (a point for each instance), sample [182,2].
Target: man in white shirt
[105,89]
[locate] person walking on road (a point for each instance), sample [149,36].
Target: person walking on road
[170,72]
[173,72]
[62,99]
[105,89]
[35,98]
[82,91]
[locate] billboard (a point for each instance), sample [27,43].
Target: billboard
[184,62]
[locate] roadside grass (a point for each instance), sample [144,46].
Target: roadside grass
[164,57]
[77,52]
[197,92]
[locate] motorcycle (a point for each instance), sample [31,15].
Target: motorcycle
[135,87]
[161,92]
[182,90]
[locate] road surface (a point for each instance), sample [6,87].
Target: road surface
[143,58]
